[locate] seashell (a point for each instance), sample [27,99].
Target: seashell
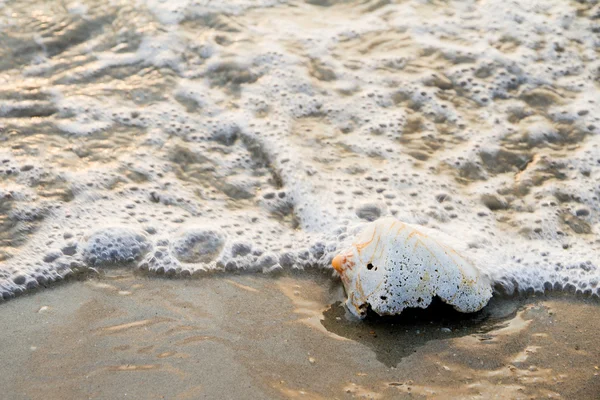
[393,265]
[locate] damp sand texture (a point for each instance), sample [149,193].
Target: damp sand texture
[253,337]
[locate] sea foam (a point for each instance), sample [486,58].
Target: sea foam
[184,138]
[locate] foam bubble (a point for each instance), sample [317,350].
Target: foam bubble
[198,245]
[115,245]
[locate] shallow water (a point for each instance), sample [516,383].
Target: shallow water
[186,137]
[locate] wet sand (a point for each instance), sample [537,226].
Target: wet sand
[245,336]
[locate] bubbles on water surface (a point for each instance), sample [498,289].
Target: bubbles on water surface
[115,245]
[245,136]
[198,245]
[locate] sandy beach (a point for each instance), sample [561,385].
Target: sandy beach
[124,336]
[179,177]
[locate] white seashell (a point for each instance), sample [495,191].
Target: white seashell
[392,266]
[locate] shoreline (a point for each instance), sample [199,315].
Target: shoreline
[499,291]
[121,335]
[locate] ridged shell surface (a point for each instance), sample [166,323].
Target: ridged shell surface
[392,266]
